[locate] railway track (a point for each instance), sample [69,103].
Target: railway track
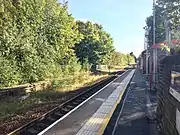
[17,92]
[12,92]
[57,114]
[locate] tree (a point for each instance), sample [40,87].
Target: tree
[130,59]
[37,38]
[96,45]
[165,10]
[160,29]
[117,59]
[171,10]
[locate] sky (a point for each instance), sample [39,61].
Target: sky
[123,19]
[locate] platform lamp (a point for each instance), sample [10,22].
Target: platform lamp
[154,42]
[146,47]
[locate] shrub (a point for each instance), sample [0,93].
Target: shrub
[9,74]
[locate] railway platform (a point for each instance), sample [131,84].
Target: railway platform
[93,116]
[135,115]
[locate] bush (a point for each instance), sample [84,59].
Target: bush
[72,67]
[9,74]
[177,49]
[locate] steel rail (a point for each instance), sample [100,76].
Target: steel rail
[50,118]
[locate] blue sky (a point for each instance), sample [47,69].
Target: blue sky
[123,19]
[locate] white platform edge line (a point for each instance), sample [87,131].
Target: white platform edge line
[53,124]
[127,78]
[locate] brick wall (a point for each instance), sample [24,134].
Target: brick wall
[167,103]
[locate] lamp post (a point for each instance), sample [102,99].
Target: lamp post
[154,42]
[146,48]
[167,33]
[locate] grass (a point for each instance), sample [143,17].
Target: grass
[56,94]
[114,69]
[78,80]
[9,109]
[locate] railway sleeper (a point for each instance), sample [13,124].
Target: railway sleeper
[65,109]
[70,106]
[32,131]
[50,119]
[78,100]
[83,98]
[58,114]
[42,125]
[75,103]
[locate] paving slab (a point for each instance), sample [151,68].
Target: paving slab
[133,115]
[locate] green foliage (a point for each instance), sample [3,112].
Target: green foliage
[164,10]
[160,29]
[36,39]
[72,67]
[117,59]
[96,44]
[8,73]
[86,65]
[171,10]
[130,59]
[177,49]
[40,40]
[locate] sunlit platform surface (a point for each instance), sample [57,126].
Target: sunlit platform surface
[97,123]
[92,117]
